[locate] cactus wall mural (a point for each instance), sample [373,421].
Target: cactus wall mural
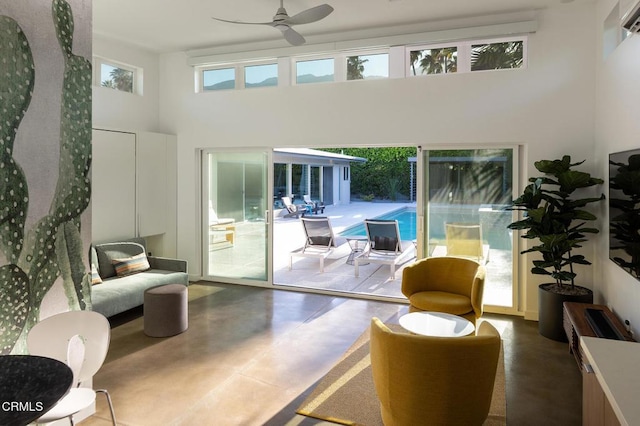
[37,254]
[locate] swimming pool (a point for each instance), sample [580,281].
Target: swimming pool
[405,216]
[494,224]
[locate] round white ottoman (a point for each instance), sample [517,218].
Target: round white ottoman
[165,310]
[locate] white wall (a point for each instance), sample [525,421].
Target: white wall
[137,114]
[548,108]
[617,129]
[115,109]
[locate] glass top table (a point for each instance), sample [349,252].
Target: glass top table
[357,246]
[437,324]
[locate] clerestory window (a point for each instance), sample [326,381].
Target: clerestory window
[117,76]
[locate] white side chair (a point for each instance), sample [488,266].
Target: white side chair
[81,340]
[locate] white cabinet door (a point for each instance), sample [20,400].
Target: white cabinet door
[152,169]
[113,175]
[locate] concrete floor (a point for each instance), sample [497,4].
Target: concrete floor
[251,355]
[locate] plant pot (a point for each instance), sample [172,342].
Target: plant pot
[550,309]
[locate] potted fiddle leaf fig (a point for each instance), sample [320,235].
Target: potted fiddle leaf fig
[555,216]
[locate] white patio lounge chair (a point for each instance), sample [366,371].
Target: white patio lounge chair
[465,240]
[384,245]
[214,220]
[319,240]
[316,206]
[293,209]
[221,230]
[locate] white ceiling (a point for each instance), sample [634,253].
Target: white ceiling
[183,25]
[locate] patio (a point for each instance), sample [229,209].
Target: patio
[374,278]
[338,275]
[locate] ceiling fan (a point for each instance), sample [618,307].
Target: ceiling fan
[284,22]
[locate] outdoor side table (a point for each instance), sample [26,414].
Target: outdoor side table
[356,248]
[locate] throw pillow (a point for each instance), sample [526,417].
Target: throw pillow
[95,277]
[131,265]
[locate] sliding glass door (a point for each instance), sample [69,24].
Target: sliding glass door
[236,215]
[464,196]
[461,195]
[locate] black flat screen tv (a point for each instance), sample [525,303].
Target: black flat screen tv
[624,210]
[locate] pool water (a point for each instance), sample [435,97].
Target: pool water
[405,216]
[494,225]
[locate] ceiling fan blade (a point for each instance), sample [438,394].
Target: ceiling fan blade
[293,37]
[310,15]
[240,22]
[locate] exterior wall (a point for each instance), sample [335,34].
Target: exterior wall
[343,187]
[45,221]
[617,129]
[547,108]
[330,166]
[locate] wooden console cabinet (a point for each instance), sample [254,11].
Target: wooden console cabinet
[576,325]
[604,392]
[611,382]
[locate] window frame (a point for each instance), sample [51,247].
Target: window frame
[137,83]
[412,48]
[242,71]
[524,40]
[202,70]
[296,59]
[399,65]
[464,48]
[239,74]
[344,57]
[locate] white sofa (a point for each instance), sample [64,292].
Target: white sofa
[116,294]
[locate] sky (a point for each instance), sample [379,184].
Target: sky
[377,65]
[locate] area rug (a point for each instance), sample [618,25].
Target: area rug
[346,394]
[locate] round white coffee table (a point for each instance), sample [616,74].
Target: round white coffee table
[436,324]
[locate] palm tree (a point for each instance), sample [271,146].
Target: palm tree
[121,79]
[497,56]
[355,68]
[414,57]
[439,61]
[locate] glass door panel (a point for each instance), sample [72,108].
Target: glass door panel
[465,192]
[316,176]
[236,231]
[299,181]
[279,184]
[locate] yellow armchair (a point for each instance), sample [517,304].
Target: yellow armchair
[423,380]
[445,284]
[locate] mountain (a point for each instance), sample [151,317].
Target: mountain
[223,85]
[310,78]
[272,81]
